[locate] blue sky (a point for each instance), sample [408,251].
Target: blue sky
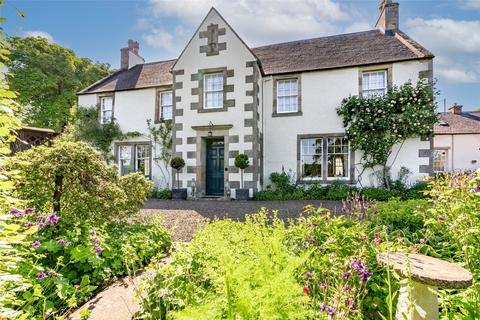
[98,29]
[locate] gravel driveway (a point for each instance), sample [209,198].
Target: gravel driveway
[183,218]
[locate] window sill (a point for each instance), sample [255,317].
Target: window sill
[287,114]
[203,110]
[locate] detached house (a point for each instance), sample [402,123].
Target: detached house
[275,103]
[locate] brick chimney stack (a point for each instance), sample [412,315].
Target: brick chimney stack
[455,109]
[388,21]
[129,56]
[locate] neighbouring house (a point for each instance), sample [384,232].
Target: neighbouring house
[457,141]
[276,103]
[28,137]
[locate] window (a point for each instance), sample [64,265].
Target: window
[213,91]
[142,161]
[337,157]
[106,109]
[287,96]
[125,159]
[134,157]
[440,160]
[311,158]
[166,105]
[374,83]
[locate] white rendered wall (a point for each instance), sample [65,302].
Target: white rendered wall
[463,150]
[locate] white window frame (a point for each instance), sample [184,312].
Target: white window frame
[368,92]
[445,166]
[120,158]
[303,154]
[134,157]
[295,96]
[206,92]
[163,106]
[347,167]
[146,159]
[103,120]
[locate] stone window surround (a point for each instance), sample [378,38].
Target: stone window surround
[132,144]
[158,92]
[378,67]
[199,90]
[99,104]
[324,179]
[298,77]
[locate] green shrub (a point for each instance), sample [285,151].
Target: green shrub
[72,179]
[162,194]
[281,182]
[338,190]
[379,194]
[417,191]
[400,215]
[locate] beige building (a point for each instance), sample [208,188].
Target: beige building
[275,103]
[457,141]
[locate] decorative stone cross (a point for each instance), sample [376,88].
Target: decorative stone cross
[213,47]
[418,299]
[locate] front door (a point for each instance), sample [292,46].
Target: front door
[215,164]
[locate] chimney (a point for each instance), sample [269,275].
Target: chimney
[455,109]
[388,20]
[129,56]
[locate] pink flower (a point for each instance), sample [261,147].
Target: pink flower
[41,276]
[98,250]
[62,242]
[29,210]
[36,244]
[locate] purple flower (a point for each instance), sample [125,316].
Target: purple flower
[324,285]
[29,224]
[353,306]
[62,242]
[52,219]
[93,232]
[41,225]
[323,307]
[41,275]
[17,213]
[347,275]
[357,265]
[308,275]
[321,249]
[39,218]
[365,275]
[36,244]
[98,250]
[477,189]
[29,210]
[53,274]
[330,311]
[97,241]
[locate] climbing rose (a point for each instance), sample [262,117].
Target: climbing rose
[36,244]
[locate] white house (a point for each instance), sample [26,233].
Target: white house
[457,141]
[276,103]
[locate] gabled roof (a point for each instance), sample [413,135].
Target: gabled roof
[339,51]
[464,123]
[141,76]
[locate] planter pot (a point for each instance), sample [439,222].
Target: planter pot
[179,194]
[242,194]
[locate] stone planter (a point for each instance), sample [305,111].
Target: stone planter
[242,194]
[179,194]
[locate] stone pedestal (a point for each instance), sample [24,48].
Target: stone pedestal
[417,301]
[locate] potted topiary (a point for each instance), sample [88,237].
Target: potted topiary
[178,163]
[241,162]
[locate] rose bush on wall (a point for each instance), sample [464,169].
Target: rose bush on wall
[375,125]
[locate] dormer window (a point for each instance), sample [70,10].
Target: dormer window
[106,109]
[374,84]
[213,91]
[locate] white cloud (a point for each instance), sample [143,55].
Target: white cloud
[455,43]
[38,33]
[470,4]
[258,22]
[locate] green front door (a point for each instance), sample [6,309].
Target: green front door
[215,164]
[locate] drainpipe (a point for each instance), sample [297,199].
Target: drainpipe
[453,151]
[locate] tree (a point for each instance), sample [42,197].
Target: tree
[177,163]
[242,163]
[46,77]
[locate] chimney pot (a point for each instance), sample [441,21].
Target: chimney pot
[455,109]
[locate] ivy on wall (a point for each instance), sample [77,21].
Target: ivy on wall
[101,136]
[376,124]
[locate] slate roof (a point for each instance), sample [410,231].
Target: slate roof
[464,123]
[345,50]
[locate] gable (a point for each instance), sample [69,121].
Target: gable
[214,42]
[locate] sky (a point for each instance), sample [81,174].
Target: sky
[97,29]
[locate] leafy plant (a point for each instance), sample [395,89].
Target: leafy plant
[161,138]
[377,124]
[162,194]
[242,163]
[177,163]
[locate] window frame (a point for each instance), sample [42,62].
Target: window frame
[162,106]
[280,78]
[277,83]
[302,155]
[101,98]
[158,102]
[205,92]
[384,88]
[347,177]
[371,69]
[133,156]
[445,167]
